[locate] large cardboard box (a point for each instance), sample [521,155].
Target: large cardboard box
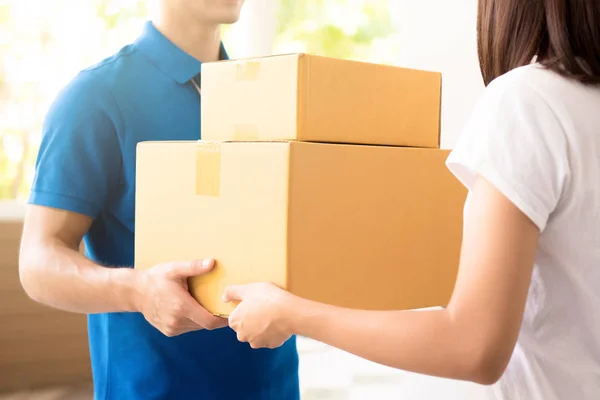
[369,227]
[320,99]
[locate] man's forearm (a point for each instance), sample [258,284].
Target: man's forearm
[61,277]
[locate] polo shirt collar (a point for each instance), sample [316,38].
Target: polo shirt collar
[169,58]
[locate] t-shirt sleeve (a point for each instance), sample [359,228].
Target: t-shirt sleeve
[79,159]
[515,141]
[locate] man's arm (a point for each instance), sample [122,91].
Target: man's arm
[55,273]
[79,167]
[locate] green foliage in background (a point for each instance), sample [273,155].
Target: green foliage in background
[336,28]
[11,171]
[102,25]
[113,16]
[351,29]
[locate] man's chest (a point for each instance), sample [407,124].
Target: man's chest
[165,115]
[161,118]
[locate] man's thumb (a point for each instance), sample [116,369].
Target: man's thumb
[192,268]
[233,293]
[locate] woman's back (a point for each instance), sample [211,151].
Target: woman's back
[560,336]
[546,139]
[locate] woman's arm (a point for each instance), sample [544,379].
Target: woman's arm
[472,339]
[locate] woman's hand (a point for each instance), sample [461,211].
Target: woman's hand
[261,318]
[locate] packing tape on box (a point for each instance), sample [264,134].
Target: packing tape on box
[247,70]
[245,132]
[208,169]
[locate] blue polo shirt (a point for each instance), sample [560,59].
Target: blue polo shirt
[86,164]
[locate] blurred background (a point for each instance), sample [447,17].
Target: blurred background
[44,43]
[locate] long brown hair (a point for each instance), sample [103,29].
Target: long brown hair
[563,35]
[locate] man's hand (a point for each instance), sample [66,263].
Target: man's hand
[50,261]
[163,298]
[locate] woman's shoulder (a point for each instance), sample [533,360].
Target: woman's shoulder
[534,84]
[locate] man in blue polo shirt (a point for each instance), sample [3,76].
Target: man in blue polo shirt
[148,338]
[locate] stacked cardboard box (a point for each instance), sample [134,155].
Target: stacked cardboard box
[321,175]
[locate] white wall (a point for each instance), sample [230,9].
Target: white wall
[11,210]
[440,35]
[254,34]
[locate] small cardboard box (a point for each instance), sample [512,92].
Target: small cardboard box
[320,99]
[368,227]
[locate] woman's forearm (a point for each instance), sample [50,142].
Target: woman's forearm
[429,342]
[472,339]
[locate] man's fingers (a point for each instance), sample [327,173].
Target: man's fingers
[234,293]
[190,269]
[200,316]
[182,327]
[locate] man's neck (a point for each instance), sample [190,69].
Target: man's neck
[201,41]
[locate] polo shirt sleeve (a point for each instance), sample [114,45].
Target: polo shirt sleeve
[79,160]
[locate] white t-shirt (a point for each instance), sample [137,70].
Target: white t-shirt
[536,137]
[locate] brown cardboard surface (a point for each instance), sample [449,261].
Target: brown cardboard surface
[368,227]
[320,99]
[27,362]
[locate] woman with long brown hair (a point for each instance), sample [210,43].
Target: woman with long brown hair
[525,312]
